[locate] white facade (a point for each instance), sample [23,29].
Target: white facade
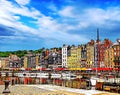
[64,56]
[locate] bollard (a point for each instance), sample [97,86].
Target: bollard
[6,90]
[12,82]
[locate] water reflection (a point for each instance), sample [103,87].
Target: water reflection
[34,78]
[60,79]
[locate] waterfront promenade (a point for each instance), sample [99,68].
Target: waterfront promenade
[50,90]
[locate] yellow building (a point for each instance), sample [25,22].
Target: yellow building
[109,58]
[69,62]
[78,57]
[25,62]
[37,60]
[74,58]
[90,54]
[2,63]
[106,57]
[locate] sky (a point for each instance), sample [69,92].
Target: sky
[34,24]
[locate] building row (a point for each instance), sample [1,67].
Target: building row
[94,54]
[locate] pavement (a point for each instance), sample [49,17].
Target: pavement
[50,90]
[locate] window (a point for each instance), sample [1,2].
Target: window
[11,64]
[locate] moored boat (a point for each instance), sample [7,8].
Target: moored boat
[68,76]
[42,75]
[53,75]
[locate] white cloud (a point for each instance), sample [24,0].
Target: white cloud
[23,2]
[102,17]
[55,29]
[9,16]
[67,11]
[47,24]
[48,27]
[114,13]
[90,16]
[12,37]
[51,29]
[11,9]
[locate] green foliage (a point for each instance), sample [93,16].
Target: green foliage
[4,54]
[19,53]
[37,51]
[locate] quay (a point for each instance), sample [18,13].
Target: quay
[44,79]
[51,90]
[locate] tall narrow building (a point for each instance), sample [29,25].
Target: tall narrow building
[90,54]
[103,47]
[116,50]
[72,59]
[64,56]
[83,56]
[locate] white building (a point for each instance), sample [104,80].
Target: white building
[64,56]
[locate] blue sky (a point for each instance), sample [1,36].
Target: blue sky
[33,24]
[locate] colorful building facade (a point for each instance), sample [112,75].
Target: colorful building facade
[116,49]
[109,58]
[72,59]
[103,46]
[64,56]
[83,56]
[90,54]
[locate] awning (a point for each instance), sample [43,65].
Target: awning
[22,68]
[60,69]
[102,69]
[28,68]
[89,69]
[117,69]
[79,69]
[15,69]
[84,69]
[48,69]
[41,69]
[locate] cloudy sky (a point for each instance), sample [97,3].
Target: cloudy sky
[33,24]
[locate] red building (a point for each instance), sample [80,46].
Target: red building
[102,47]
